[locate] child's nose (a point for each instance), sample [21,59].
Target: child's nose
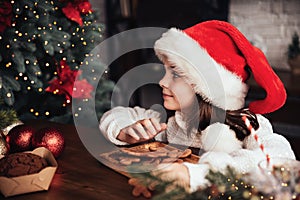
[163,82]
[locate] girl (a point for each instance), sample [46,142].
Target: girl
[206,69]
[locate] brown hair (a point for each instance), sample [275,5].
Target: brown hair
[209,114]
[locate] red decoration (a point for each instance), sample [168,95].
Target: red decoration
[19,138]
[82,89]
[50,138]
[84,7]
[254,134]
[73,10]
[72,13]
[63,84]
[5,15]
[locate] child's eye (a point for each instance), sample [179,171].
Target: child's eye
[175,75]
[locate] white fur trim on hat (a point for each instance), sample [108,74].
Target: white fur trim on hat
[219,137]
[211,80]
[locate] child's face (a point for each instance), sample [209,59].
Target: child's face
[177,93]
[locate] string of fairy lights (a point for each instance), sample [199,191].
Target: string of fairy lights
[60,47]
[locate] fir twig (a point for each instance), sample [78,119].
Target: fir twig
[7,117]
[228,185]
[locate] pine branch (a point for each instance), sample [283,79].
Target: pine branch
[7,117]
[224,186]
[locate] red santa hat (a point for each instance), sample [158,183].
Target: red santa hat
[217,59]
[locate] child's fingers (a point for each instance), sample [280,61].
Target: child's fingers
[140,130]
[156,124]
[149,127]
[163,126]
[130,131]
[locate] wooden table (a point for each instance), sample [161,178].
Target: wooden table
[79,174]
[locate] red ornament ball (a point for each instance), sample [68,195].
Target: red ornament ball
[19,138]
[50,138]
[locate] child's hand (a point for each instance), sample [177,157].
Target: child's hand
[141,131]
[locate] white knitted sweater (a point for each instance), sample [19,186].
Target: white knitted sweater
[217,140]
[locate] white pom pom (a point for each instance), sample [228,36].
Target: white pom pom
[219,137]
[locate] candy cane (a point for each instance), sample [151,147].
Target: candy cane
[254,134]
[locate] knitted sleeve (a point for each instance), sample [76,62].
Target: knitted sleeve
[120,117]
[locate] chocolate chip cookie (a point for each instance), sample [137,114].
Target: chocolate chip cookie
[19,164]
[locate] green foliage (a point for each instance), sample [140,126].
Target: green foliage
[224,186]
[164,189]
[40,36]
[7,117]
[294,47]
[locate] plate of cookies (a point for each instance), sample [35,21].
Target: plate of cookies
[146,156]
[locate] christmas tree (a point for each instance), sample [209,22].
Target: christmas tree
[44,44]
